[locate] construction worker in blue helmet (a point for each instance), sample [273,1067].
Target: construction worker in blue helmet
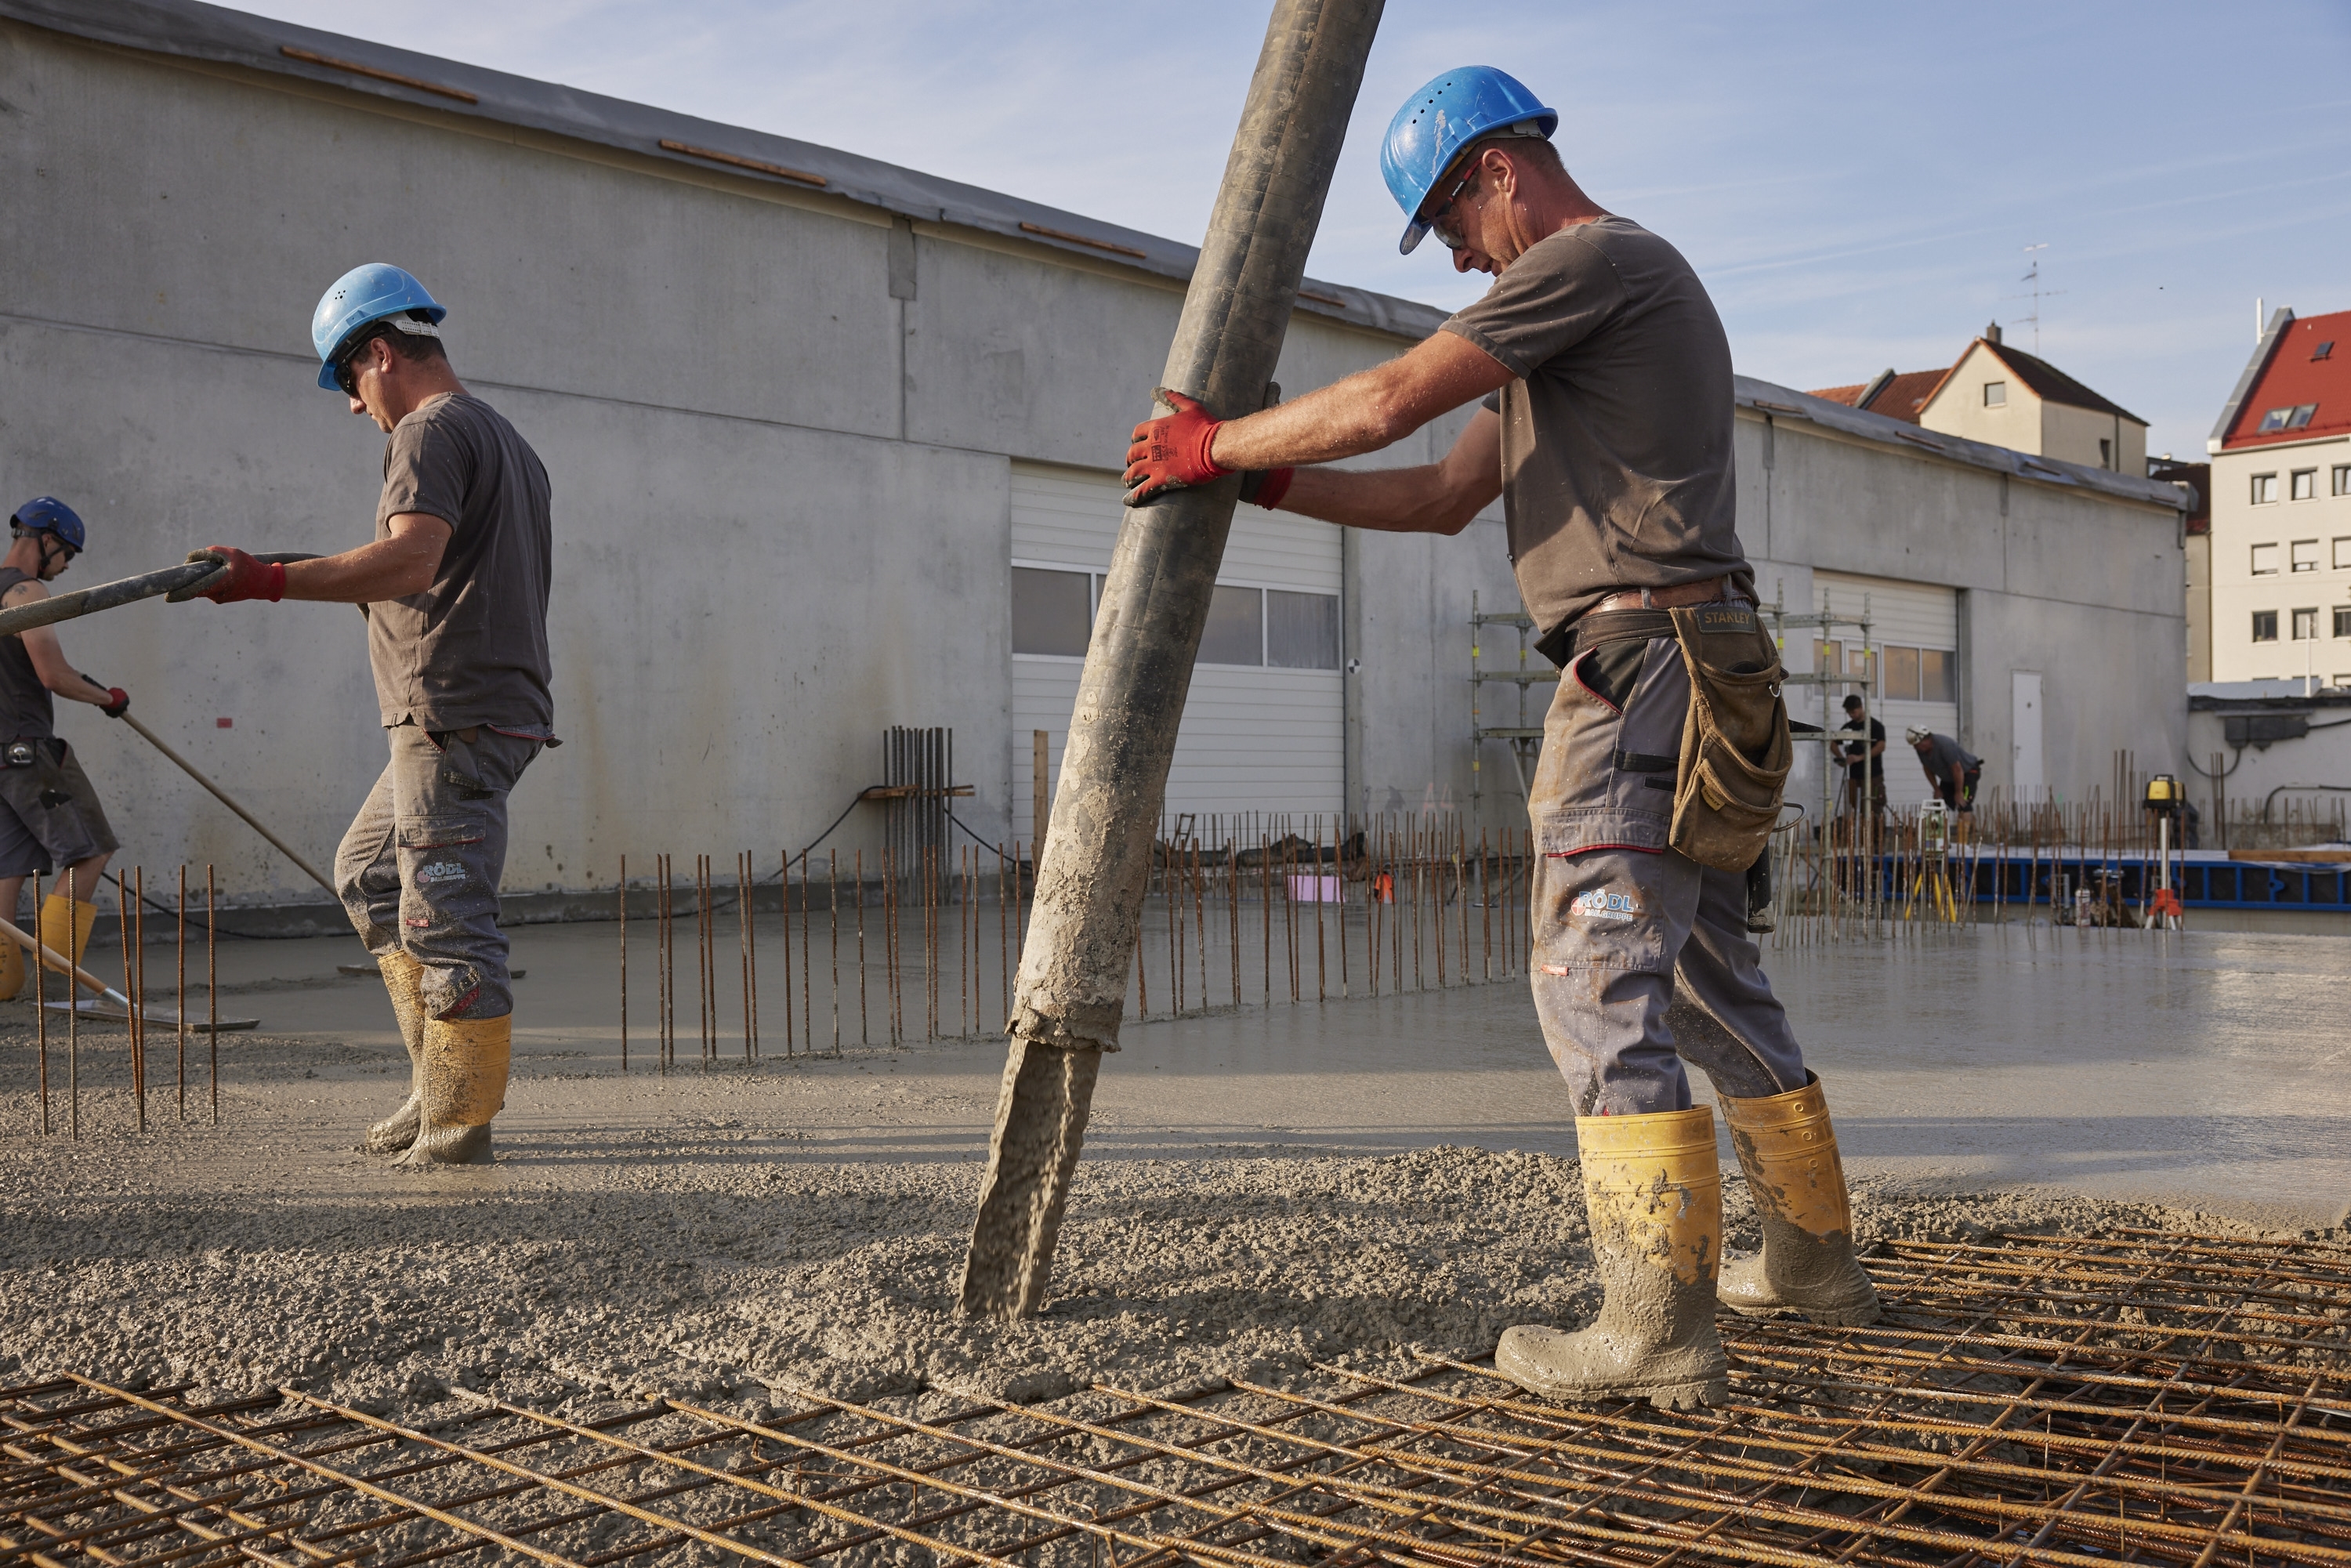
[455,584]
[50,818]
[1590,388]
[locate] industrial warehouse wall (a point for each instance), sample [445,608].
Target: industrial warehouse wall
[2053,579]
[782,494]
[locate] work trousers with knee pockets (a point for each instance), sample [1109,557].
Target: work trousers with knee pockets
[419,869]
[1618,915]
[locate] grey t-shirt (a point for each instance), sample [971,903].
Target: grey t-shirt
[1616,456]
[1941,754]
[472,648]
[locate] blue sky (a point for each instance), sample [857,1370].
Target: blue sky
[1857,183]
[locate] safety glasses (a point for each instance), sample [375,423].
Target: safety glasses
[1440,221]
[346,371]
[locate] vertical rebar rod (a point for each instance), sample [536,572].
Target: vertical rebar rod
[1265,908]
[624,963]
[1485,908]
[864,1017]
[1199,921]
[890,954]
[73,1020]
[1233,904]
[1175,927]
[750,993]
[41,1004]
[784,881]
[1003,933]
[1142,979]
[966,865]
[833,876]
[1322,982]
[1461,898]
[212,984]
[705,937]
[184,991]
[139,992]
[807,960]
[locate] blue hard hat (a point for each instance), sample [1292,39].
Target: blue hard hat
[360,297]
[1441,119]
[47,513]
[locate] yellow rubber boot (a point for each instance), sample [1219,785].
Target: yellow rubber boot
[464,1085]
[1654,1193]
[1789,1152]
[401,977]
[12,969]
[65,927]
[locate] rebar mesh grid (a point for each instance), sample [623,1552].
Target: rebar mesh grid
[2138,1396]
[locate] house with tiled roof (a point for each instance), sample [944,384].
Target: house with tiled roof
[2005,397]
[2281,455]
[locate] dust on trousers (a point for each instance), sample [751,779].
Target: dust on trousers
[419,869]
[1618,914]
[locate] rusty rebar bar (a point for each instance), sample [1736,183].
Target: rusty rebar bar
[41,1008]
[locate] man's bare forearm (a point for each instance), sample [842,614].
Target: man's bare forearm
[1391,500]
[1365,412]
[395,568]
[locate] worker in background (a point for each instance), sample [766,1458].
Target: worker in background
[1864,761]
[455,584]
[50,813]
[1952,770]
[1602,385]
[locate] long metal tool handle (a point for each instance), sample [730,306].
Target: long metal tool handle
[222,797]
[58,961]
[1091,876]
[105,596]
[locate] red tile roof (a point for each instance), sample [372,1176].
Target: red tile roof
[1900,398]
[2295,379]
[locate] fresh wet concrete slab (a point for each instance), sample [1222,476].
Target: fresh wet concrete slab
[2201,1070]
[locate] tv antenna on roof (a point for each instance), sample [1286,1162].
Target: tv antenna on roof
[2033,275]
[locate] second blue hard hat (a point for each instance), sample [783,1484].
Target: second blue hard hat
[1442,119]
[49,514]
[360,297]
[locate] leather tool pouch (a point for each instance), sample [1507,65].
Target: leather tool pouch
[1735,748]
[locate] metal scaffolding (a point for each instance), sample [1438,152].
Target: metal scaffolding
[1524,740]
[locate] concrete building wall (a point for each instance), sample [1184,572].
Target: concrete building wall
[782,494]
[2257,568]
[2199,606]
[2093,440]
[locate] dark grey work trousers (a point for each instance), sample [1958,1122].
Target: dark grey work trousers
[1619,917]
[420,867]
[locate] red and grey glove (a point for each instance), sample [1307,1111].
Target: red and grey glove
[117,703]
[1172,453]
[247,579]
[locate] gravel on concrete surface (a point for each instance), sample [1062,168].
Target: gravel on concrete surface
[699,1253]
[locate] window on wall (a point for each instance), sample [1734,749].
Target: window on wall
[1052,611]
[2264,625]
[2106,452]
[1301,630]
[2302,484]
[2306,555]
[2305,624]
[1995,395]
[1921,674]
[1902,673]
[2265,560]
[2343,478]
[2343,620]
[2265,489]
[1236,629]
[2294,417]
[2342,554]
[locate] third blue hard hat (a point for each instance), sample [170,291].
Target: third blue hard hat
[1445,117]
[359,298]
[47,513]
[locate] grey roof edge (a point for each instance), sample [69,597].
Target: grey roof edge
[189,29]
[2256,697]
[1770,400]
[2279,320]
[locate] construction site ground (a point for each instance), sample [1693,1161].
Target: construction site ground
[1263,1190]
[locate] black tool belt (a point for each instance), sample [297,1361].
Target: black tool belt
[1562,643]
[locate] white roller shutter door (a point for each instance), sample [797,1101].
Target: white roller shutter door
[1256,736]
[1916,617]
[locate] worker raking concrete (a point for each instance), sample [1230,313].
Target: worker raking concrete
[455,583]
[1605,383]
[50,813]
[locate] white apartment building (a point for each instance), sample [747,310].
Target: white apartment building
[2280,575]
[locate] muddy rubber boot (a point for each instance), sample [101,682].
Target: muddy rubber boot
[12,969]
[1654,1197]
[464,1073]
[1789,1152]
[64,927]
[400,974]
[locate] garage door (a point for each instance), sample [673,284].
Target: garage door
[1264,728]
[1914,628]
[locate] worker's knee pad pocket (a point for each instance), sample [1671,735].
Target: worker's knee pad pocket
[1601,901]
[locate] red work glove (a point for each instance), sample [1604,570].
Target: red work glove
[119,706]
[247,579]
[1266,486]
[1172,453]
